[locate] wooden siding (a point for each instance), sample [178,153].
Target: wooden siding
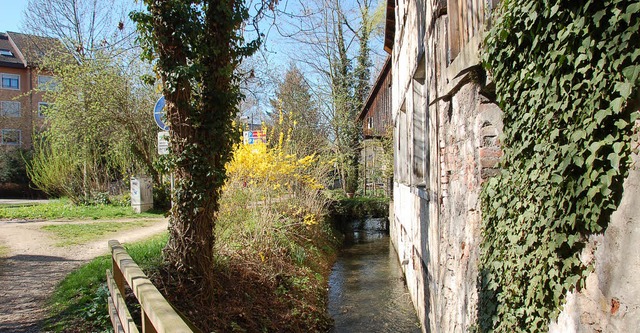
[466,19]
[376,114]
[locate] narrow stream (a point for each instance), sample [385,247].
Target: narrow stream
[367,292]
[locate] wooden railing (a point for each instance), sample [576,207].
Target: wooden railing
[157,314]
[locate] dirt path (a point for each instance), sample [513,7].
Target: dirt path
[34,265]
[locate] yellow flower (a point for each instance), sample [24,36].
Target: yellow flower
[310,219]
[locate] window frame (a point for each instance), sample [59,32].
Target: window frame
[3,135]
[40,105]
[3,112]
[11,76]
[50,85]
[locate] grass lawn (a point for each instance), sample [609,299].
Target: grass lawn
[75,234]
[64,209]
[83,293]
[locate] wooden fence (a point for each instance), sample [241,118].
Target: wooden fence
[157,314]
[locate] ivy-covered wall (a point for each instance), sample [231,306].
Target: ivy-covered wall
[567,78]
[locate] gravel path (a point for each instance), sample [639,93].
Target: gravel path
[34,266]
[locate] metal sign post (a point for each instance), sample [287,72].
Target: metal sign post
[163,143]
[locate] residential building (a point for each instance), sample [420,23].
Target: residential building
[446,127]
[23,83]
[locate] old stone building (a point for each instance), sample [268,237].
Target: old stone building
[445,139]
[446,144]
[21,92]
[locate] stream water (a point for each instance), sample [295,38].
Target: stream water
[367,292]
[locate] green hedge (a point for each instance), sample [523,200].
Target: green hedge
[349,209]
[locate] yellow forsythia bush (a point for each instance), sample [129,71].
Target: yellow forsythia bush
[271,168]
[272,200]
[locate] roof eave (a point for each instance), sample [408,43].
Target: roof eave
[376,87]
[11,64]
[390,26]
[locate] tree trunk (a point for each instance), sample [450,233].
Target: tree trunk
[197,71]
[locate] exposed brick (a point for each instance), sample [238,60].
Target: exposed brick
[490,156]
[615,306]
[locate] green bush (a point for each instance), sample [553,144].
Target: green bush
[161,196]
[13,166]
[348,209]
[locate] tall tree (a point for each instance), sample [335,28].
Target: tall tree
[335,36]
[297,115]
[196,47]
[87,28]
[97,119]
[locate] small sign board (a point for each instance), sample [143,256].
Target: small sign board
[160,115]
[163,143]
[251,137]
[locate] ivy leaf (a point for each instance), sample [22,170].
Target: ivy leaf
[577,135]
[633,8]
[624,88]
[614,159]
[616,104]
[601,114]
[631,72]
[597,17]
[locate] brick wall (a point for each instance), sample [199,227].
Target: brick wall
[29,101]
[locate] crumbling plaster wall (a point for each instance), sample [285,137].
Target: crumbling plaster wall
[611,300]
[469,151]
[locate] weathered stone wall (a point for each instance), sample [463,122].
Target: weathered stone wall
[436,225]
[611,300]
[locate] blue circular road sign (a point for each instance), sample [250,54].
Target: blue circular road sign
[159,114]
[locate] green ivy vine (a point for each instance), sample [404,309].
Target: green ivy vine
[567,77]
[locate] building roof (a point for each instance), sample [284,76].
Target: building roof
[9,55]
[390,26]
[376,87]
[34,48]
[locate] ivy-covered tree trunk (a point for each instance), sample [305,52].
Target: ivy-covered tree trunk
[350,89]
[197,48]
[343,100]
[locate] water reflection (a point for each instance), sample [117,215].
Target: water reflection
[366,287]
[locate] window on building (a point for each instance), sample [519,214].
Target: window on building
[10,109]
[402,156]
[47,82]
[10,81]
[11,137]
[6,53]
[420,158]
[370,123]
[42,107]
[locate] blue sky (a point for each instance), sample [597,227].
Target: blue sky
[11,14]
